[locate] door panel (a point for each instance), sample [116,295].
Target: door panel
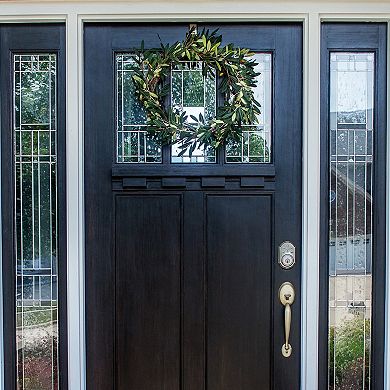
[147,303]
[182,272]
[239,281]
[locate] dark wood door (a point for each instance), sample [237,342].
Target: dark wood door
[182,272]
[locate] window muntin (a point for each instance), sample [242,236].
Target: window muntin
[350,224]
[36,220]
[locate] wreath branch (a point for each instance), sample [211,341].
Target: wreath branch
[234,67]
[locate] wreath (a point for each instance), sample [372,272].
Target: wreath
[150,73]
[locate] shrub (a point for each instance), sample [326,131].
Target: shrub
[349,354]
[40,364]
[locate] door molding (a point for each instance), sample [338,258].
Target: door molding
[74,14]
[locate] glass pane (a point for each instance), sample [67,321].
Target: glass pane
[350,235]
[133,143]
[194,94]
[255,146]
[35,136]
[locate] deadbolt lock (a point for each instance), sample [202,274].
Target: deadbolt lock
[286,255]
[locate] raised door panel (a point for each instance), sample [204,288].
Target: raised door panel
[239,286]
[148,303]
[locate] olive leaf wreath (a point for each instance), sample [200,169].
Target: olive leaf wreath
[150,73]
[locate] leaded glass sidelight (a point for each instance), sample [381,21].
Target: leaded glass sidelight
[255,145]
[133,143]
[195,94]
[35,153]
[350,225]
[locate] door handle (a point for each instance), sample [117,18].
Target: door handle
[287,297]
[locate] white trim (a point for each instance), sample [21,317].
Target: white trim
[75,205]
[216,9]
[311,205]
[311,13]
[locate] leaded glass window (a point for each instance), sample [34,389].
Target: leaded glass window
[255,145]
[350,226]
[133,143]
[195,94]
[36,220]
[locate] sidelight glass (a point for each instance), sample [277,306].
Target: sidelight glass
[195,94]
[255,146]
[133,143]
[36,220]
[351,129]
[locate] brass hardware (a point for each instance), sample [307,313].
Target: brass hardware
[287,297]
[286,255]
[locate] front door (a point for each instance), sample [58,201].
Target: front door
[185,255]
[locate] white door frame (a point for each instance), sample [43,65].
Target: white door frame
[311,14]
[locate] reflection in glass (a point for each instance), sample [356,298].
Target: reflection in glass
[255,146]
[133,143]
[35,151]
[194,94]
[350,234]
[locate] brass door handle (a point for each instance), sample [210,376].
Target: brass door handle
[287,297]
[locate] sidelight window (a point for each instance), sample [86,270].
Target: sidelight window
[36,220]
[350,225]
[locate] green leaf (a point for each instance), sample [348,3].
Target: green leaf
[138,79]
[238,77]
[192,148]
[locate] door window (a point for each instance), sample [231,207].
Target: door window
[255,145]
[193,93]
[133,143]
